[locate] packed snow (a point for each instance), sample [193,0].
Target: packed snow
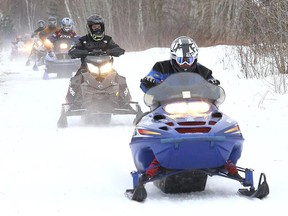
[85,170]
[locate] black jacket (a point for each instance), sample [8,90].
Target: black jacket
[161,70]
[87,44]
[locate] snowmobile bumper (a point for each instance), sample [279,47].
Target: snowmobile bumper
[139,194]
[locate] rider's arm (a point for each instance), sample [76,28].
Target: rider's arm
[114,49]
[152,79]
[207,74]
[42,34]
[77,51]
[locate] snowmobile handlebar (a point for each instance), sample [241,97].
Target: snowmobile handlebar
[97,52]
[78,53]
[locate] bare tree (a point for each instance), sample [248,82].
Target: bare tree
[266,27]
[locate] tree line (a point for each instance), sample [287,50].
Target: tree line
[139,24]
[260,25]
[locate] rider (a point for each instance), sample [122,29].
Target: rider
[16,44]
[183,58]
[49,30]
[66,32]
[41,24]
[96,42]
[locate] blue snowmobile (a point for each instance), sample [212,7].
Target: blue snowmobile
[189,138]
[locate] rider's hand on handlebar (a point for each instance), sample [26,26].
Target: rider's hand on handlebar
[149,81]
[214,81]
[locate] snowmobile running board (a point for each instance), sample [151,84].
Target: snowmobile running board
[139,193]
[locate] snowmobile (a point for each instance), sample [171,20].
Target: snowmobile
[20,49]
[60,62]
[102,93]
[190,138]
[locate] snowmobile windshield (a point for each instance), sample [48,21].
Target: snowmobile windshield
[184,86]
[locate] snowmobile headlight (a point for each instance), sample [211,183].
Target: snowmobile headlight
[39,43]
[92,68]
[63,46]
[194,108]
[106,68]
[48,43]
[27,47]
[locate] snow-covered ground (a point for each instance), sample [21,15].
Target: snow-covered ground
[83,170]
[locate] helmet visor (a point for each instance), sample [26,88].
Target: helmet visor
[185,60]
[67,27]
[52,22]
[41,24]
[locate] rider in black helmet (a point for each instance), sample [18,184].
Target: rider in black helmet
[96,27]
[95,41]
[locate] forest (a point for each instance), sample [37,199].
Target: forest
[261,25]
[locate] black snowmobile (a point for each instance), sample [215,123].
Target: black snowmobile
[101,93]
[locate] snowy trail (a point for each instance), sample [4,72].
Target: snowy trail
[83,170]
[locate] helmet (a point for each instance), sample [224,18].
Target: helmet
[52,22]
[183,53]
[41,23]
[96,27]
[67,24]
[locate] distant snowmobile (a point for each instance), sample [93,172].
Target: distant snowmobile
[60,62]
[37,54]
[190,138]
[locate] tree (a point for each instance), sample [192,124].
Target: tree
[7,30]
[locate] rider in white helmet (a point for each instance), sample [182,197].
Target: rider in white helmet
[66,31]
[183,58]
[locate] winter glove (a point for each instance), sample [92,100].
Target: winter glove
[214,81]
[108,52]
[50,54]
[149,81]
